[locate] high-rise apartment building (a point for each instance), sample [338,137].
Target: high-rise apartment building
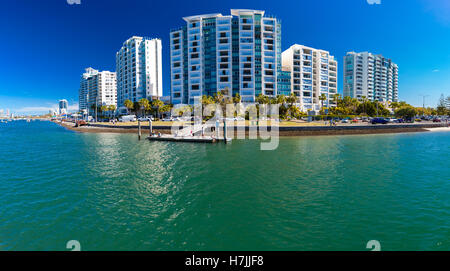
[63,106]
[313,73]
[371,76]
[83,93]
[97,88]
[139,70]
[235,54]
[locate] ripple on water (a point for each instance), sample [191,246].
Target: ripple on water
[110,192]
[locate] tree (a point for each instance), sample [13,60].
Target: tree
[218,98]
[157,104]
[165,108]
[112,109]
[291,99]
[322,98]
[222,98]
[295,112]
[103,109]
[136,108]
[262,99]
[281,99]
[336,98]
[407,112]
[129,105]
[367,108]
[144,104]
[283,112]
[364,100]
[181,110]
[205,100]
[237,98]
[441,108]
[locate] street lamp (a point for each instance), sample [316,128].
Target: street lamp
[423,103]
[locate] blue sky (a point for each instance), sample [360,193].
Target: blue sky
[47,44]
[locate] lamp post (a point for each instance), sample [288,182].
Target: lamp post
[423,103]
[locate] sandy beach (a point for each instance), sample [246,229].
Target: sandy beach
[439,129]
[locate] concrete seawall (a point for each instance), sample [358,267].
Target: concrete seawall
[283,131]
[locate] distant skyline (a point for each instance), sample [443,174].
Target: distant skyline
[48,44]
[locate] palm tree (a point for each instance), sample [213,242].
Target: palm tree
[323,98]
[281,99]
[262,99]
[336,98]
[364,100]
[166,108]
[136,108]
[112,109]
[129,105]
[218,98]
[291,99]
[144,104]
[157,104]
[103,109]
[205,100]
[237,98]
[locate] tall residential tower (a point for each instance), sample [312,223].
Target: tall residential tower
[139,70]
[371,76]
[63,106]
[83,93]
[313,73]
[235,54]
[97,88]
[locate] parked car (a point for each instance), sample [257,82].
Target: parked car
[127,118]
[390,120]
[146,118]
[379,121]
[399,121]
[437,120]
[172,119]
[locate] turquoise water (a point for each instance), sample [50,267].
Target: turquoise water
[112,192]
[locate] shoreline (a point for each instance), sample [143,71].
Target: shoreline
[283,131]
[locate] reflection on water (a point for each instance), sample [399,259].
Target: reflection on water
[113,192]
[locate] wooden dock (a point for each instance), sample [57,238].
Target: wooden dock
[190,134]
[191,139]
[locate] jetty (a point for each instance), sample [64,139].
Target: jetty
[191,139]
[204,133]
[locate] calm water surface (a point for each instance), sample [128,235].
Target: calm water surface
[111,192]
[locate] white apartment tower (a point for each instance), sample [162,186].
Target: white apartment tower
[97,88]
[371,76]
[240,53]
[139,70]
[83,93]
[313,73]
[63,106]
